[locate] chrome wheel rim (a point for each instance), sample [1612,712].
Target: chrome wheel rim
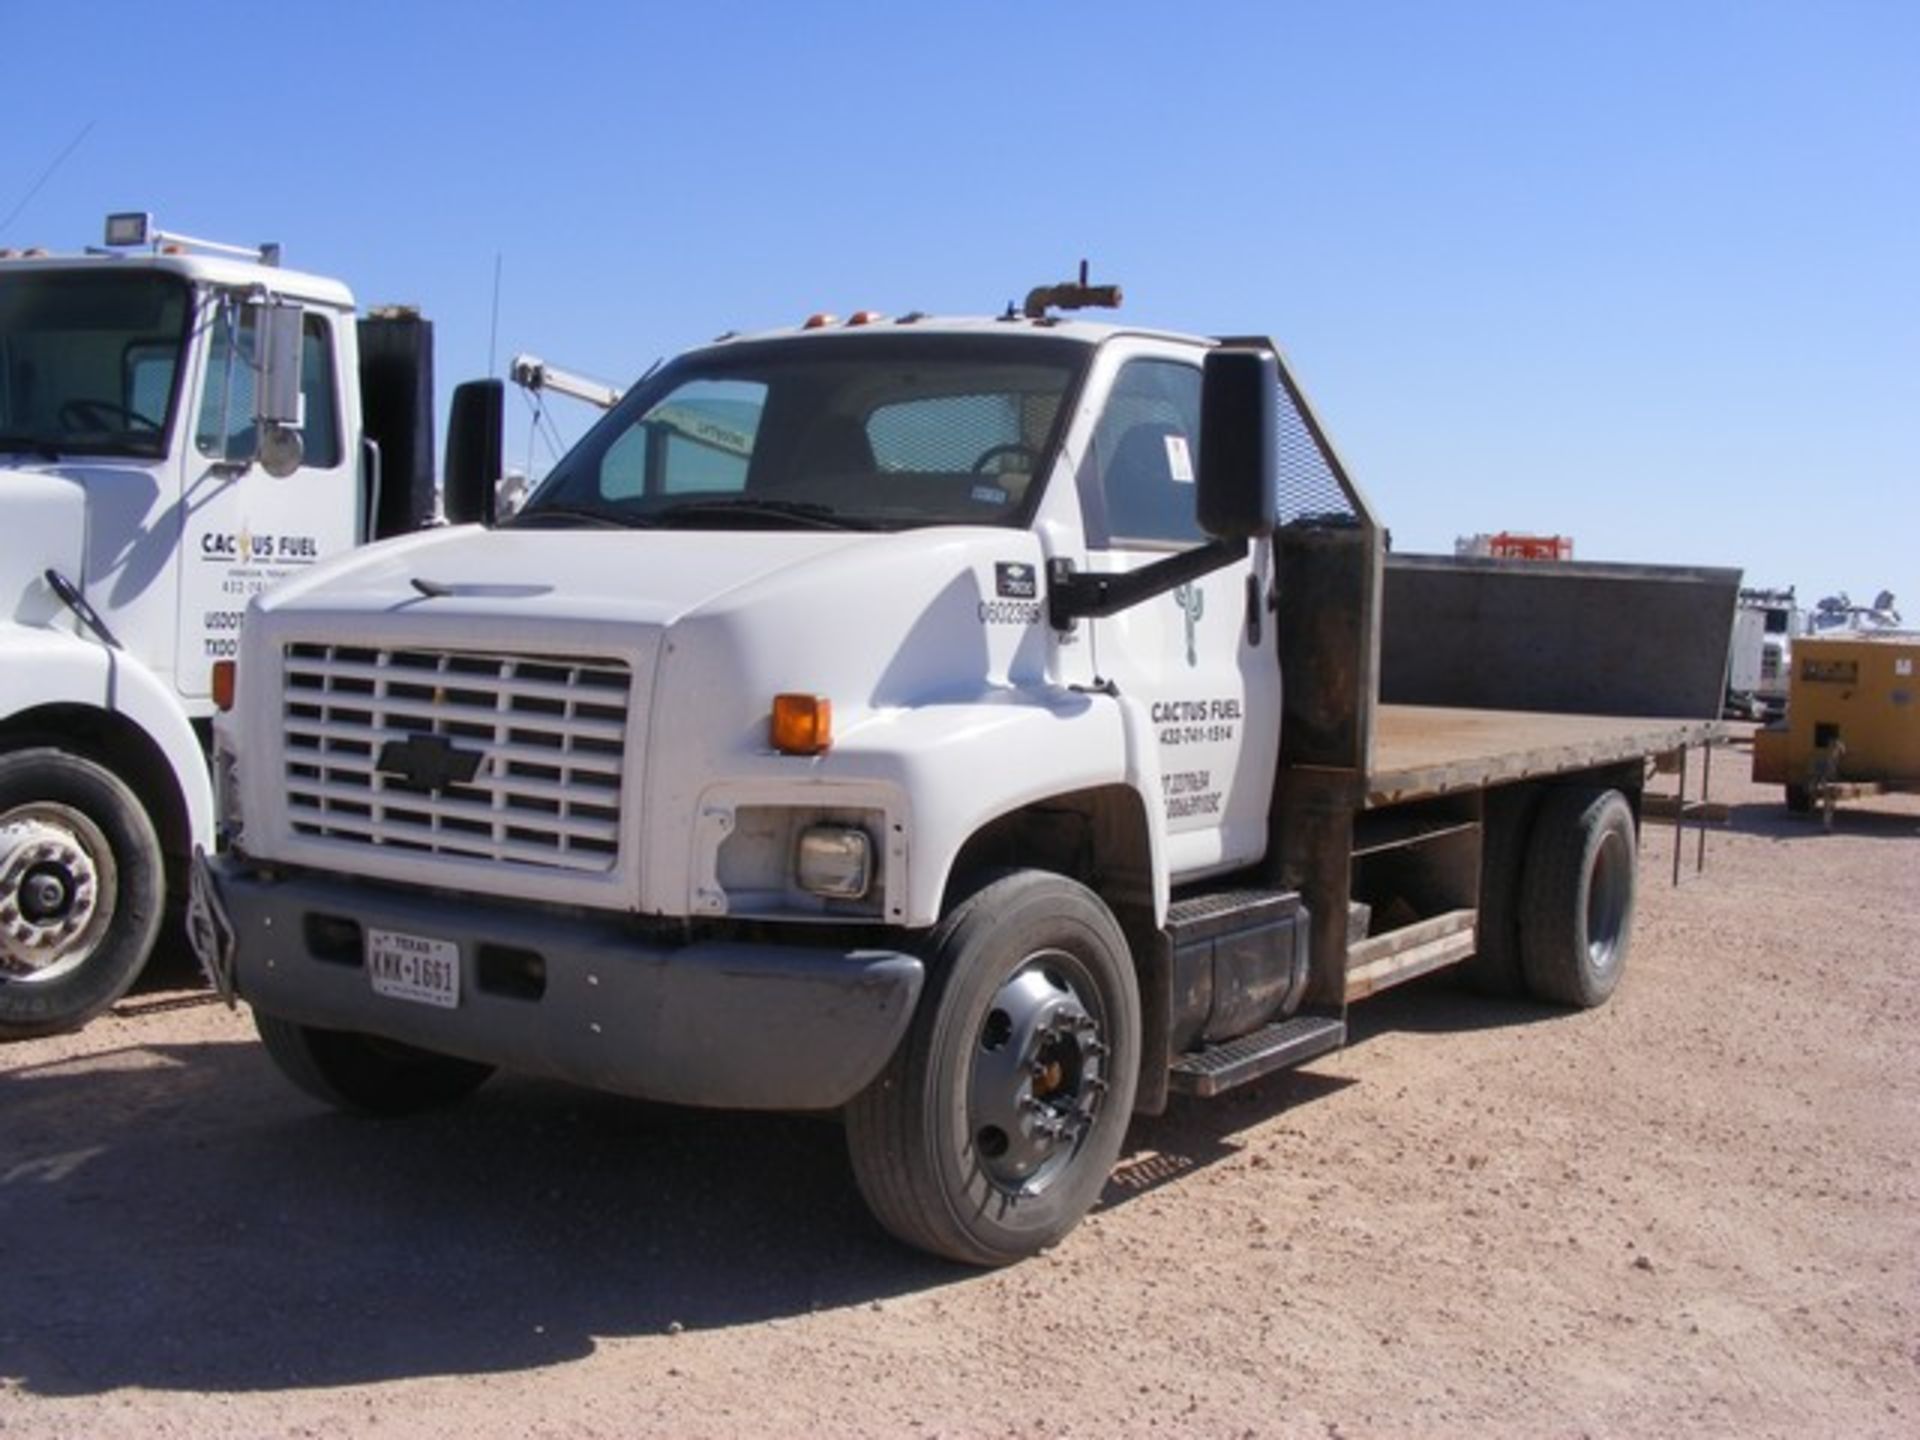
[1608,897]
[57,880]
[1039,1074]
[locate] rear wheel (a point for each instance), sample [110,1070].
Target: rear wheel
[994,1127]
[1576,905]
[82,891]
[365,1074]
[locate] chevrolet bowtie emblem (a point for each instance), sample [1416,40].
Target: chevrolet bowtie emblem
[426,763]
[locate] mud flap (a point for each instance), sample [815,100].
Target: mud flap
[209,930]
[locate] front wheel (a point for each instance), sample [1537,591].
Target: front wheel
[994,1127]
[365,1074]
[82,891]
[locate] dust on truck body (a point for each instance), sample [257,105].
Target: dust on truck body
[967,725]
[182,423]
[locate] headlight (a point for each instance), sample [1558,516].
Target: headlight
[834,862]
[797,861]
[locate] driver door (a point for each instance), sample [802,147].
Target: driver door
[244,530]
[1201,660]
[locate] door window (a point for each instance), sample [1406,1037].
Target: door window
[1146,447]
[226,428]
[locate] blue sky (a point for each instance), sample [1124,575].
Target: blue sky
[1644,274]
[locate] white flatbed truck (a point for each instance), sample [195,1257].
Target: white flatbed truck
[970,726]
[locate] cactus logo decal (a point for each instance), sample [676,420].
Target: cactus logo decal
[1192,601]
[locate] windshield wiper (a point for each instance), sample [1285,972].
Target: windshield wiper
[32,444]
[564,515]
[749,507]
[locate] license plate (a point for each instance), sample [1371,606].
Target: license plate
[414,967]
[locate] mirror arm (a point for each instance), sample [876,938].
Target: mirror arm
[1073,595]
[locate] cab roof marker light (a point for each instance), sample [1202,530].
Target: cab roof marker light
[819,320]
[865,317]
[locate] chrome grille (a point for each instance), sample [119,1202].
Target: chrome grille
[549,735]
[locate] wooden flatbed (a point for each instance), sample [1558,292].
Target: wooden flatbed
[1425,750]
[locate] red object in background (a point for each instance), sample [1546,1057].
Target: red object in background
[1509,546]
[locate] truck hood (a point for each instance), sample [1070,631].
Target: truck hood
[107,524]
[632,576]
[46,519]
[540,625]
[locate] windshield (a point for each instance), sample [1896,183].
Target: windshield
[89,360]
[885,431]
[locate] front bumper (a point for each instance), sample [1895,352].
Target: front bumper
[728,1024]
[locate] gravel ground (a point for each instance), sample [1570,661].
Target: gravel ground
[1695,1211]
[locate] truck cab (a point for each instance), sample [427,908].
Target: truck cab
[871,517]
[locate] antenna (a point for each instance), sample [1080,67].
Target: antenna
[493,326]
[46,175]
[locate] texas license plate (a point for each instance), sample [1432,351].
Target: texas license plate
[414,967]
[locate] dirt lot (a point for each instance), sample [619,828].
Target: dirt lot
[1695,1211]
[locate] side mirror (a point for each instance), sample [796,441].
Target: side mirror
[1239,479]
[277,396]
[474,429]
[281,449]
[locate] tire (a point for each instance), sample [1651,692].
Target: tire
[366,1075]
[1494,967]
[82,891]
[1576,902]
[1799,799]
[996,1124]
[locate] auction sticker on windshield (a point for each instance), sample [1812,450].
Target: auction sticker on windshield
[414,967]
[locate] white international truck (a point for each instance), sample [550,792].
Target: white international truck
[182,425]
[1760,657]
[970,726]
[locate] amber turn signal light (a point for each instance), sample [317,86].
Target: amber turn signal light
[802,724]
[225,676]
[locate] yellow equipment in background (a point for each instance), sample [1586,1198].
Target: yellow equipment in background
[1853,721]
